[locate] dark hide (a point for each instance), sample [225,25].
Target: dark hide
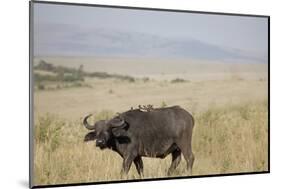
[156,133]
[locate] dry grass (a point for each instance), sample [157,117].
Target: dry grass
[226,140]
[118,96]
[228,101]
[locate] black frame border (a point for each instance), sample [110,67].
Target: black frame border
[31,153]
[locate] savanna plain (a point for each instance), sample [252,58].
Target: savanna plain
[229,102]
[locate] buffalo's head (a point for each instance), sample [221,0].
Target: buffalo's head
[105,130]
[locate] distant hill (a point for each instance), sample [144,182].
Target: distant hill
[101,42]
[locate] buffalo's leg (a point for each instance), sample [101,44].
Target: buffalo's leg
[189,158]
[127,162]
[190,162]
[186,150]
[139,165]
[176,158]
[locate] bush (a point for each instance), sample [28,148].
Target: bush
[130,79]
[145,79]
[104,75]
[67,74]
[43,65]
[110,91]
[178,80]
[60,77]
[40,86]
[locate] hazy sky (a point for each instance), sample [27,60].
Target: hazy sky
[55,26]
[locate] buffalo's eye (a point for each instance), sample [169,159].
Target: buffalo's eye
[106,135]
[98,133]
[103,136]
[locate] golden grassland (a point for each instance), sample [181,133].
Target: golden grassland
[118,96]
[231,139]
[229,105]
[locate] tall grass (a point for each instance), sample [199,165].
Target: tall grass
[232,139]
[225,140]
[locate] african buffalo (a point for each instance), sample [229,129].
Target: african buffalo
[154,133]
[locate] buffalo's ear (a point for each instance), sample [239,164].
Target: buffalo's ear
[119,126]
[90,136]
[118,132]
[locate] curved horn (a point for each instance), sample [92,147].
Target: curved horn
[86,124]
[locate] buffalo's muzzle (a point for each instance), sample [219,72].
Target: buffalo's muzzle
[100,143]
